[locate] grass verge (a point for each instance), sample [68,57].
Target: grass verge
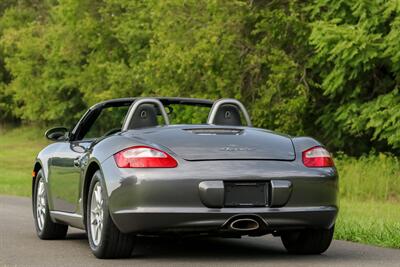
[369,222]
[373,177]
[18,149]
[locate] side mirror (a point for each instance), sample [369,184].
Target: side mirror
[57,134]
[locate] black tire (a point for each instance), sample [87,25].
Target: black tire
[308,241]
[112,243]
[46,228]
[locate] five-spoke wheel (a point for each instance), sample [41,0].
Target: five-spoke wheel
[105,240]
[45,227]
[40,204]
[96,214]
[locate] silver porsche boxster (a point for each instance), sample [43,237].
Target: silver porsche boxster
[182,166]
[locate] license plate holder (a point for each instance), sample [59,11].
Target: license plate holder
[245,194]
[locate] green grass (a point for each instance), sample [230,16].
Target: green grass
[369,222]
[369,186]
[370,200]
[18,149]
[373,177]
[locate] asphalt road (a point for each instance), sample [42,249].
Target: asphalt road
[19,246]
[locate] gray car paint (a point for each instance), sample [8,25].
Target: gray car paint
[157,200]
[248,143]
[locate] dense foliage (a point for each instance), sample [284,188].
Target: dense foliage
[330,69]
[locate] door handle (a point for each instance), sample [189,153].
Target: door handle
[77,162]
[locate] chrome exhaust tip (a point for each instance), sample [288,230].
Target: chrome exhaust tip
[244,224]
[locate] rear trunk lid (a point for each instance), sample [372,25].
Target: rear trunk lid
[218,143]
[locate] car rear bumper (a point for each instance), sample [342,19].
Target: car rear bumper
[208,220]
[191,196]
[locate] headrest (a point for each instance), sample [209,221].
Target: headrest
[227,114]
[145,116]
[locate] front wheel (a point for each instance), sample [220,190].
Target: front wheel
[105,239]
[307,241]
[45,227]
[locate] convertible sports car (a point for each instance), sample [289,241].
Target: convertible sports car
[125,170]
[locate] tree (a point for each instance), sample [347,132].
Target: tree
[329,69]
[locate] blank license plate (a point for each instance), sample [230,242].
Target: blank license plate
[245,194]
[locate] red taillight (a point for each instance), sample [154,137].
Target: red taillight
[317,157]
[144,157]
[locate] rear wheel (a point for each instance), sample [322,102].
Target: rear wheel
[105,240]
[45,227]
[307,241]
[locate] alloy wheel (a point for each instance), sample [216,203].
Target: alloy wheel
[96,214]
[40,204]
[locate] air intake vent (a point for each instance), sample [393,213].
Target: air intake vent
[215,131]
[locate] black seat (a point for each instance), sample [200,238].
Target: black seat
[228,114]
[145,116]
